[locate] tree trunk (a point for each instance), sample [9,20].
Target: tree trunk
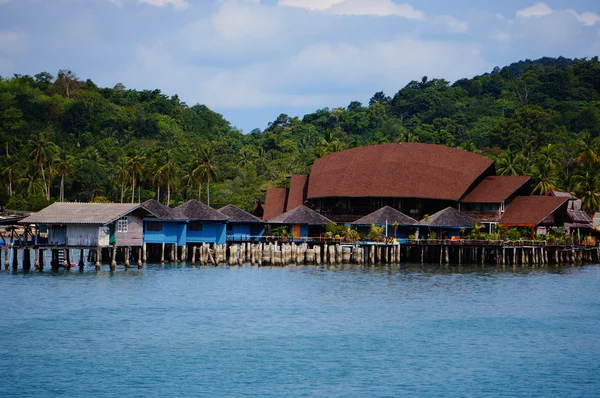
[133,187]
[46,190]
[122,191]
[200,191]
[169,192]
[208,194]
[62,188]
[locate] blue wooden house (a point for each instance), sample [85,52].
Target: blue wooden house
[302,222]
[397,224]
[242,226]
[203,223]
[164,227]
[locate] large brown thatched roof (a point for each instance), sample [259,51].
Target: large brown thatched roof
[495,189]
[275,203]
[297,192]
[448,218]
[385,214]
[397,170]
[197,211]
[237,215]
[81,213]
[158,209]
[300,215]
[529,211]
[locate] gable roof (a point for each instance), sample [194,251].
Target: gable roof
[237,215]
[297,192]
[81,213]
[275,203]
[495,189]
[197,211]
[576,214]
[450,218]
[529,211]
[408,170]
[158,209]
[300,215]
[385,214]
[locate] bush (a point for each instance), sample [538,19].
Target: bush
[513,234]
[375,232]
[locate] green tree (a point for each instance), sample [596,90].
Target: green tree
[63,165]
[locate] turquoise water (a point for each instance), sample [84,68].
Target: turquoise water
[301,331]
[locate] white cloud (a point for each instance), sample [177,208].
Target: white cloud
[237,20]
[177,4]
[310,4]
[453,24]
[358,7]
[536,10]
[376,7]
[587,18]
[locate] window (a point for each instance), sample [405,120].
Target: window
[195,226]
[155,227]
[123,224]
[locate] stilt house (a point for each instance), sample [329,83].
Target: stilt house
[301,222]
[242,226]
[398,224]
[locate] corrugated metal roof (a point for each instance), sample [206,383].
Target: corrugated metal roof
[81,213]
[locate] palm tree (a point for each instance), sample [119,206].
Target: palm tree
[123,176]
[10,167]
[63,165]
[548,154]
[42,152]
[168,172]
[589,149]
[30,182]
[510,163]
[208,170]
[135,168]
[547,178]
[588,183]
[566,181]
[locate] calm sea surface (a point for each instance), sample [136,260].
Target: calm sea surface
[301,331]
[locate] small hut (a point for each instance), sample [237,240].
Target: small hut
[242,226]
[165,227]
[397,223]
[92,224]
[303,222]
[204,224]
[446,223]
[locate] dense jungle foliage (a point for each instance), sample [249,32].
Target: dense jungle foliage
[67,139]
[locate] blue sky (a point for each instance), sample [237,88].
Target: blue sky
[254,59]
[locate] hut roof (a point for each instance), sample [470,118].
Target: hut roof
[237,215]
[297,192]
[495,189]
[197,211]
[529,211]
[409,170]
[158,209]
[81,213]
[449,217]
[275,203]
[552,192]
[300,215]
[575,213]
[385,214]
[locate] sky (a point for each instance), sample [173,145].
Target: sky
[252,60]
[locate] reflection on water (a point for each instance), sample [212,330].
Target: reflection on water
[345,330]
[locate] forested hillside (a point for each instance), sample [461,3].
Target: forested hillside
[64,138]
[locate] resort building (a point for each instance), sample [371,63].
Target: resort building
[301,222]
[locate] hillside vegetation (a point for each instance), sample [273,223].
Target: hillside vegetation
[64,138]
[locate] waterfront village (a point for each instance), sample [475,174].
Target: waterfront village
[386,203]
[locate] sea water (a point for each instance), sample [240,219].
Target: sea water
[345,331]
